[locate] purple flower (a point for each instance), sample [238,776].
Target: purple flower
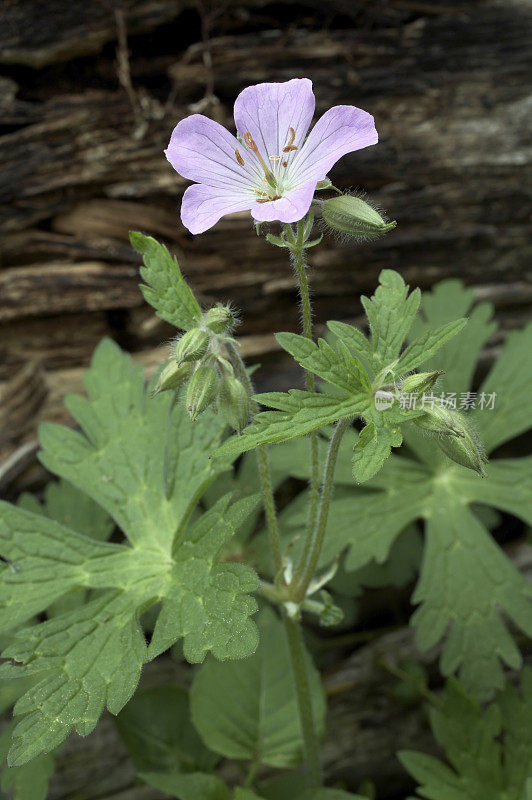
[271,170]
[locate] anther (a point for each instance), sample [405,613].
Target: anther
[290,146]
[239,158]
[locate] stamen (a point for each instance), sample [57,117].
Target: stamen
[275,158]
[285,163]
[268,199]
[239,158]
[290,146]
[270,178]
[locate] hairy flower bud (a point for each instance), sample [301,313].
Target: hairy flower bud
[202,389]
[219,319]
[172,377]
[234,403]
[420,382]
[440,419]
[192,345]
[466,450]
[353,216]
[458,440]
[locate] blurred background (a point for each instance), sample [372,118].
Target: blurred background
[89,94]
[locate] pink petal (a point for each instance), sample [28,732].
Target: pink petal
[202,206]
[268,110]
[341,130]
[204,151]
[290,208]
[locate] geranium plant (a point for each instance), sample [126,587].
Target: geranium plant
[191,565]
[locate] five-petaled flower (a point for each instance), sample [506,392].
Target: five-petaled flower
[271,169]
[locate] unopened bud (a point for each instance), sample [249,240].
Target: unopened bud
[440,419]
[202,389]
[219,319]
[459,440]
[353,216]
[234,403]
[420,382]
[192,345]
[172,377]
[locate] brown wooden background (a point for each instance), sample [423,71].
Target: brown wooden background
[84,126]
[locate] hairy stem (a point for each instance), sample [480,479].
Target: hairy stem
[312,549]
[299,661]
[263,464]
[297,251]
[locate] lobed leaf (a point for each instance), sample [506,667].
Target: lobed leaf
[165,288]
[490,752]
[91,656]
[390,312]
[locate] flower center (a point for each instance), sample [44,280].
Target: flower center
[275,184]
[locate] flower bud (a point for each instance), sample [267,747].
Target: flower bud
[440,419]
[234,403]
[466,450]
[219,319]
[202,389]
[192,345]
[353,216]
[172,376]
[420,382]
[459,440]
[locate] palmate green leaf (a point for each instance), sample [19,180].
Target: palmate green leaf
[188,786]
[247,709]
[489,752]
[465,578]
[157,730]
[92,656]
[118,457]
[166,289]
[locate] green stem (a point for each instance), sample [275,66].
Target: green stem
[263,464]
[299,661]
[297,251]
[312,549]
[250,777]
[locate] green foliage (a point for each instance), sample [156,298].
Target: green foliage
[489,752]
[357,388]
[92,655]
[466,579]
[158,732]
[166,289]
[71,507]
[27,782]
[191,786]
[247,709]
